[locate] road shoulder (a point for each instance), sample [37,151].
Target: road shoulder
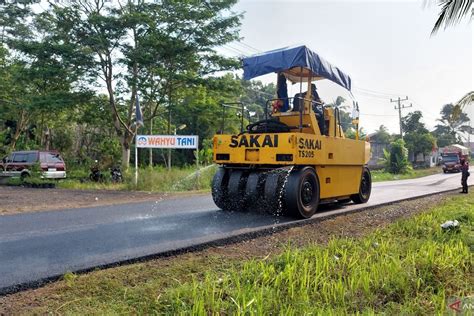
[16,200]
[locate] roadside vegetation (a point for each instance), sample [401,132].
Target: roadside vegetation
[382,175]
[180,179]
[156,179]
[410,267]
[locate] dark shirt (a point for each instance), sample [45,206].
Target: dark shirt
[465,170]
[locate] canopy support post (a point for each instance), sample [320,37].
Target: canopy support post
[301,105]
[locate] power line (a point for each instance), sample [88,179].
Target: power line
[236,49]
[260,92]
[425,114]
[233,51]
[377,92]
[362,94]
[249,47]
[370,114]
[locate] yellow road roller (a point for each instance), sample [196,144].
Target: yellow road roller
[297,157]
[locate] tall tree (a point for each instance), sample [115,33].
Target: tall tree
[255,95]
[344,116]
[417,138]
[382,135]
[453,125]
[412,123]
[41,74]
[13,20]
[146,46]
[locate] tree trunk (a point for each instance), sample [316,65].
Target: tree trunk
[47,138]
[15,138]
[20,127]
[122,133]
[125,156]
[126,142]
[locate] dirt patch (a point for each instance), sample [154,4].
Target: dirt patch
[351,225]
[15,200]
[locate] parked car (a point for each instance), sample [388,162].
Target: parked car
[21,164]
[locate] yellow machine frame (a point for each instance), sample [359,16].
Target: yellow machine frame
[338,161]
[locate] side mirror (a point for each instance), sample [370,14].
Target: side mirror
[4,160]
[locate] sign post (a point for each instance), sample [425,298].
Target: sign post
[136,158]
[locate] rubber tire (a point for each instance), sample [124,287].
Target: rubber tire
[293,198]
[271,193]
[363,197]
[219,188]
[252,190]
[236,197]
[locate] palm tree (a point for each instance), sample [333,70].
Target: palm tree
[466,100]
[453,121]
[452,12]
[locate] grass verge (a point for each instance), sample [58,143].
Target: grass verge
[409,267]
[380,175]
[156,179]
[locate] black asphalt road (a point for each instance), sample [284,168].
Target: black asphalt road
[36,246]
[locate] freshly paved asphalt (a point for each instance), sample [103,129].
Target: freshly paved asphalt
[37,246]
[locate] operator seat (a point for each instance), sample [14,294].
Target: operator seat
[317,106]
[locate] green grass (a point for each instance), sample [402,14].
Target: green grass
[380,175]
[158,179]
[409,267]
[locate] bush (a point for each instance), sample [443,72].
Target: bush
[14,181]
[396,161]
[178,179]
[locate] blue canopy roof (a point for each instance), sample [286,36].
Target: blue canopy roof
[289,61]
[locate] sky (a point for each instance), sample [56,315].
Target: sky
[384,46]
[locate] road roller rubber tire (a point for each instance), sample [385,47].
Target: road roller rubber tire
[237,199]
[219,188]
[253,190]
[301,194]
[365,188]
[270,193]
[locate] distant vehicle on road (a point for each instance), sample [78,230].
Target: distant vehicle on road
[451,157]
[21,164]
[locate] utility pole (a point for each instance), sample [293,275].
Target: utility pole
[399,107]
[151,149]
[169,128]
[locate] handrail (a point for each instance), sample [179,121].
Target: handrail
[242,109]
[300,110]
[232,106]
[337,121]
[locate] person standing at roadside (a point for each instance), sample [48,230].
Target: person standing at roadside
[464,175]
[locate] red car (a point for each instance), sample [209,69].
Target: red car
[20,163]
